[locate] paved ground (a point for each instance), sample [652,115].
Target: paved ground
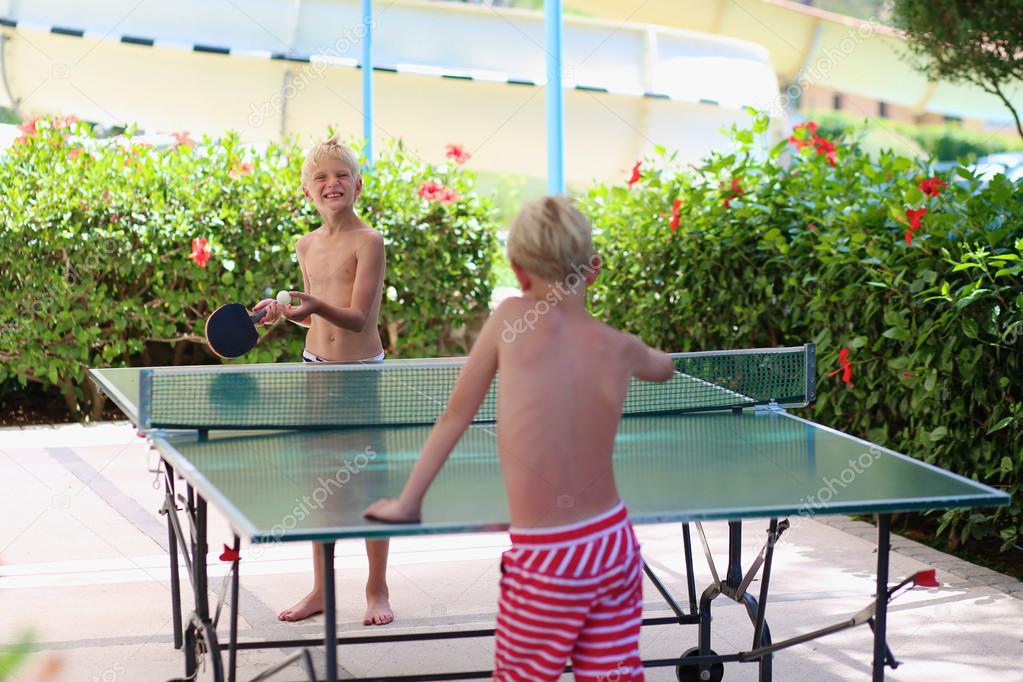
[84,568]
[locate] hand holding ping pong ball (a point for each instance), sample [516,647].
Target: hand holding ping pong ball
[284,297]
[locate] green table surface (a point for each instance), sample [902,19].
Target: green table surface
[314,485]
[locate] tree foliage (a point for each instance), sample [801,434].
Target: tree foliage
[979,42]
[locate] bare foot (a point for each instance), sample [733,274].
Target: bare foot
[378,609]
[310,605]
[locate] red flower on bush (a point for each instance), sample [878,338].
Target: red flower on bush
[676,207]
[434,191]
[240,169]
[182,138]
[735,192]
[805,135]
[75,153]
[635,174]
[932,186]
[201,251]
[916,217]
[457,153]
[28,128]
[825,147]
[803,140]
[845,367]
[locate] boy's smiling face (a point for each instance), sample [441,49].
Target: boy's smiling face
[332,186]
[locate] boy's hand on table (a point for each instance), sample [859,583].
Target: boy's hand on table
[308,305]
[392,511]
[274,310]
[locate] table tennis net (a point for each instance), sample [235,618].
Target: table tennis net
[416,392]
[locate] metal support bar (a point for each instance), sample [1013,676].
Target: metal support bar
[172,549]
[881,611]
[200,584]
[663,591]
[329,611]
[687,549]
[734,572]
[555,99]
[706,553]
[773,533]
[232,654]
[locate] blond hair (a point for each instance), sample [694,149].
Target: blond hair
[331,149]
[551,239]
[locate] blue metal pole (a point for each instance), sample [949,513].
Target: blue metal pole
[367,82]
[555,102]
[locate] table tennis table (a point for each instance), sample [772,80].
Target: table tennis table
[295,452]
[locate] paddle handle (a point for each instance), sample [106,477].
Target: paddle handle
[256,317]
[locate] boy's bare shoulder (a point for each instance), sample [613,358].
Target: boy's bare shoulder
[306,240]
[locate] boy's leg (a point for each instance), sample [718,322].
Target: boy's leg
[608,647]
[312,603]
[535,629]
[378,608]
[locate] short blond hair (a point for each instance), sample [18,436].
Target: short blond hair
[331,149]
[551,239]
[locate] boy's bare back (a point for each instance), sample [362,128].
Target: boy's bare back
[562,385]
[330,264]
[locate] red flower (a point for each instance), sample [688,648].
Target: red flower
[201,251]
[845,367]
[28,128]
[675,207]
[64,122]
[825,146]
[182,138]
[675,213]
[932,186]
[457,153]
[800,138]
[434,191]
[635,174]
[915,218]
[230,554]
[927,578]
[733,193]
[75,153]
[240,169]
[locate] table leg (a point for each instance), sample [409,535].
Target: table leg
[329,612]
[170,507]
[232,655]
[881,607]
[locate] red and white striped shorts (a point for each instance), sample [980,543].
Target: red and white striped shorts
[572,591]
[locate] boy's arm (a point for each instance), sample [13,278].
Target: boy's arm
[307,320]
[469,391]
[369,277]
[649,364]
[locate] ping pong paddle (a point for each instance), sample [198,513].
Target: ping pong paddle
[231,330]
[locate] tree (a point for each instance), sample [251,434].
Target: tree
[967,41]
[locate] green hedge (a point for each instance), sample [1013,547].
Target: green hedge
[780,247]
[944,141]
[97,267]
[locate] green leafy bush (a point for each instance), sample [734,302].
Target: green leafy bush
[779,247]
[98,265]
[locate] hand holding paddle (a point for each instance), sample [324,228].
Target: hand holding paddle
[231,330]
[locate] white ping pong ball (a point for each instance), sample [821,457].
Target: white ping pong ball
[284,297]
